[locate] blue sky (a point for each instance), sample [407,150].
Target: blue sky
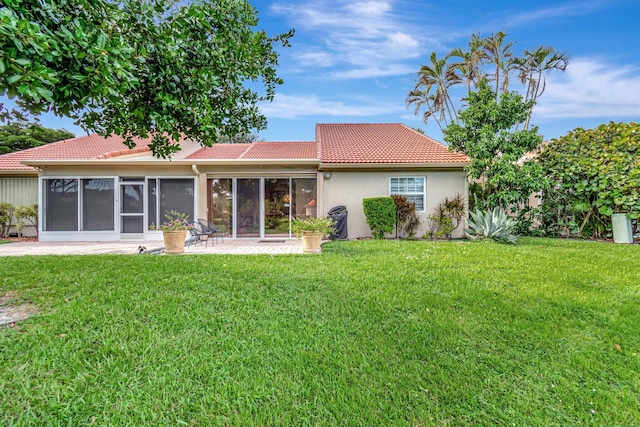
[355,61]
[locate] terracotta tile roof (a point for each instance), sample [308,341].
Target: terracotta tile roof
[281,150]
[81,148]
[380,143]
[220,151]
[259,151]
[335,143]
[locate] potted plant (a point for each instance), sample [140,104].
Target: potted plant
[174,231]
[311,231]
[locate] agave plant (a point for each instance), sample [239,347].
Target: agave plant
[495,225]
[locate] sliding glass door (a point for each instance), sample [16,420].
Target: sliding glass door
[277,207]
[248,216]
[260,208]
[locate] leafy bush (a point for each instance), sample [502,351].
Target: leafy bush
[447,217]
[315,225]
[407,219]
[452,208]
[26,213]
[495,225]
[593,173]
[439,226]
[6,217]
[175,221]
[411,226]
[381,215]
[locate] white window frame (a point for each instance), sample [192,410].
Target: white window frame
[422,193]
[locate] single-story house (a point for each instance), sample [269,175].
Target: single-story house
[92,188]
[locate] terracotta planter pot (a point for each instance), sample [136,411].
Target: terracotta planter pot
[311,242]
[174,241]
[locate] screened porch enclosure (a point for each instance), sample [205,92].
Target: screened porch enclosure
[112,208]
[260,207]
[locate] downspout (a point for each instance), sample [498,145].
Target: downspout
[195,170]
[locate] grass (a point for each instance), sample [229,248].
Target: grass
[368,333]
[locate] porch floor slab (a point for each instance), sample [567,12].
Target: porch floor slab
[229,246]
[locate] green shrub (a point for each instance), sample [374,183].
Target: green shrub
[411,225]
[6,216]
[407,219]
[381,215]
[26,213]
[593,173]
[319,224]
[448,215]
[495,225]
[439,226]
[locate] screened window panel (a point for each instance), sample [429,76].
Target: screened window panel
[176,195]
[98,204]
[132,198]
[61,205]
[132,224]
[152,201]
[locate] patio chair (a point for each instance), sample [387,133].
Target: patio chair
[198,234]
[216,231]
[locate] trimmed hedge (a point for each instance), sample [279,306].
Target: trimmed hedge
[381,215]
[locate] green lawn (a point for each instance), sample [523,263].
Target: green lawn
[368,333]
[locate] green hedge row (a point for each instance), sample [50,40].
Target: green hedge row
[381,215]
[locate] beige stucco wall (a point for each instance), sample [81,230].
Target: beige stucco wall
[344,187]
[348,188]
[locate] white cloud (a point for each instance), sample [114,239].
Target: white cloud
[316,59]
[591,88]
[401,41]
[366,35]
[376,71]
[370,8]
[554,12]
[292,106]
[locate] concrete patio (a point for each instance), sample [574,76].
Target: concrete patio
[229,246]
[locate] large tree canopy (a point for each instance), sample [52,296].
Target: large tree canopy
[487,134]
[20,136]
[140,67]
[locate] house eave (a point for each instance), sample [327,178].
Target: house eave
[20,172]
[175,162]
[403,166]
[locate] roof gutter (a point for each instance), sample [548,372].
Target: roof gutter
[179,162]
[25,173]
[378,166]
[195,163]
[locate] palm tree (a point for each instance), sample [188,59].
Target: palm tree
[420,99]
[469,65]
[533,68]
[499,54]
[432,91]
